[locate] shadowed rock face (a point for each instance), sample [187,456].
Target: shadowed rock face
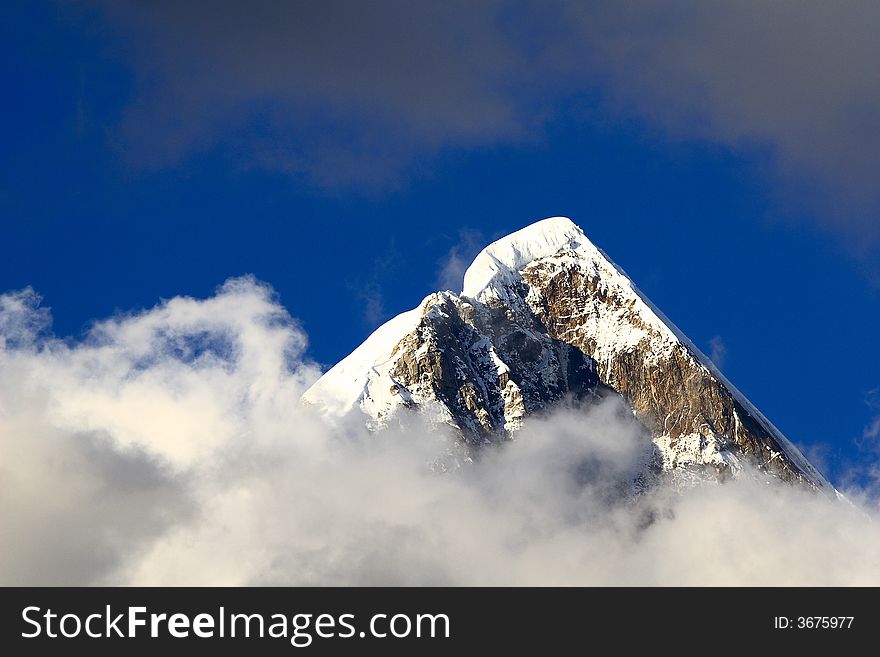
[489,367]
[546,317]
[675,396]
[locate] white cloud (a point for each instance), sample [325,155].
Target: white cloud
[872,431]
[718,352]
[169,448]
[459,257]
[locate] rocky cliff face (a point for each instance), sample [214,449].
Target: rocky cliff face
[545,316]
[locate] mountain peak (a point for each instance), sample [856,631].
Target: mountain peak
[546,316]
[512,253]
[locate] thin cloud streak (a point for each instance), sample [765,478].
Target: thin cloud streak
[458,259]
[718,353]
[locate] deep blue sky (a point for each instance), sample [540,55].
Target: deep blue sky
[703,220]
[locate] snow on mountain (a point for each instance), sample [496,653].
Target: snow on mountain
[347,385]
[545,315]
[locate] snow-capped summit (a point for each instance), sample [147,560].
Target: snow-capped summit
[545,315]
[501,261]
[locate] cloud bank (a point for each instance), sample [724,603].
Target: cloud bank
[168,447]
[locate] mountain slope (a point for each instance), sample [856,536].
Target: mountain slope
[544,315]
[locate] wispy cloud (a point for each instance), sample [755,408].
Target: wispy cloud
[786,82]
[375,312]
[459,257]
[872,430]
[369,286]
[345,92]
[718,352]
